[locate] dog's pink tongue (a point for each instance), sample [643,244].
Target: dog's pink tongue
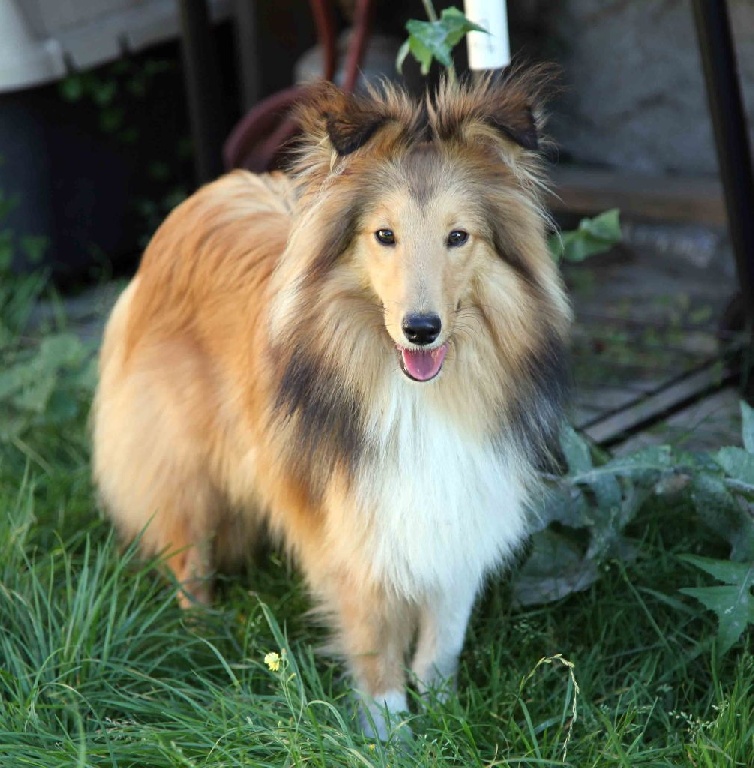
[424,365]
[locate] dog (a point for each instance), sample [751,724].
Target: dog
[363,357]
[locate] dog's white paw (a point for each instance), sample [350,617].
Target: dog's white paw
[381,717]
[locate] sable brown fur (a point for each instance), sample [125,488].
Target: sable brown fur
[257,373]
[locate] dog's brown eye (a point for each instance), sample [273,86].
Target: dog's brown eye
[457,237]
[385,236]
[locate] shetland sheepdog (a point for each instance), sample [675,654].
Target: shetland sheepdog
[363,357]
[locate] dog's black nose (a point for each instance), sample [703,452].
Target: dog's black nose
[421,329]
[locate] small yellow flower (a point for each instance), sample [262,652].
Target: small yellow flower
[272,660]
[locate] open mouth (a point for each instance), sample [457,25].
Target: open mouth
[422,364]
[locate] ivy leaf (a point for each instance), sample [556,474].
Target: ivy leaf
[608,493]
[650,460]
[555,568]
[421,53]
[403,51]
[72,87]
[719,509]
[50,384]
[61,406]
[568,506]
[747,426]
[428,40]
[104,92]
[575,450]
[58,350]
[35,395]
[591,237]
[738,464]
[733,603]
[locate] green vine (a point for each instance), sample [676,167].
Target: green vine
[435,39]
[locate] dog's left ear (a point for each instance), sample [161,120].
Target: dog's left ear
[348,120]
[516,122]
[513,103]
[507,105]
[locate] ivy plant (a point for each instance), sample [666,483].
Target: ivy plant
[435,39]
[593,236]
[584,519]
[46,378]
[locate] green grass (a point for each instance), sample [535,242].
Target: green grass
[98,667]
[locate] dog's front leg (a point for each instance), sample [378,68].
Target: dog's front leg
[375,629]
[442,627]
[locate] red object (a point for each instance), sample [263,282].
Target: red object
[257,140]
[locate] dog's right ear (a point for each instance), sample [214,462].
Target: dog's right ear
[349,121]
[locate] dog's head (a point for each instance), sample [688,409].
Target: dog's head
[431,210]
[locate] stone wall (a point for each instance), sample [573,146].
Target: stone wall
[634,93]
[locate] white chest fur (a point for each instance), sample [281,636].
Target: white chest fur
[444,508]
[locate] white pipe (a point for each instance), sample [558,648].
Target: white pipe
[492,50]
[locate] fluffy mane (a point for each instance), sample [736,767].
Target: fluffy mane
[353,148]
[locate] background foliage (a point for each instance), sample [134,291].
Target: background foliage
[621,639]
